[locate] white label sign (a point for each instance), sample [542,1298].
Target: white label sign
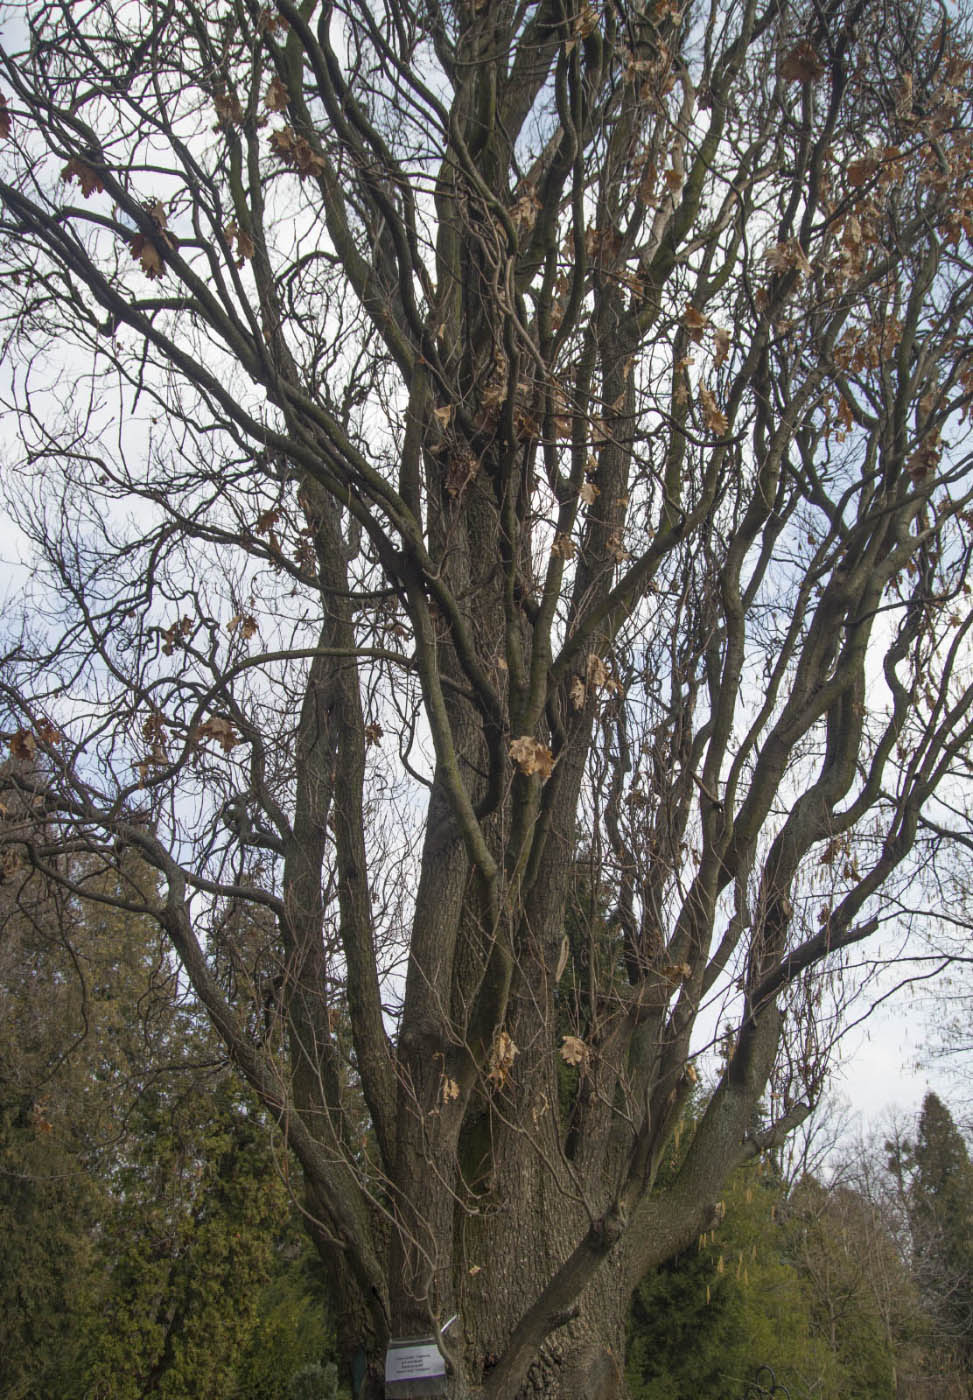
[418,1361]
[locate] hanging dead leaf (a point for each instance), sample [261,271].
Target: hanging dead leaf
[156,211]
[851,233]
[574,1051]
[564,547]
[233,233]
[154,728]
[801,64]
[171,635]
[449,1089]
[88,180]
[38,1115]
[531,756]
[219,729]
[903,97]
[597,671]
[246,624]
[307,160]
[296,152]
[4,118]
[646,190]
[616,549]
[784,257]
[562,959]
[443,415]
[148,256]
[23,745]
[577,693]
[586,21]
[282,142]
[721,346]
[695,322]
[714,418]
[526,209]
[270,22]
[275,98]
[229,112]
[589,492]
[373,733]
[859,172]
[45,731]
[502,1057]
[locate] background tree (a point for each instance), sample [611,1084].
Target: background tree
[817,1277]
[935,1179]
[148,1231]
[702,1324]
[547,419]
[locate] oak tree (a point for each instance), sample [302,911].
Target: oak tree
[495,472]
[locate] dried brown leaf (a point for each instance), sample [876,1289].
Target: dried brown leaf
[88,179]
[597,672]
[219,729]
[270,22]
[156,211]
[526,209]
[148,256]
[563,958]
[23,745]
[695,322]
[715,419]
[296,152]
[229,112]
[859,172]
[246,624]
[531,756]
[502,1056]
[801,64]
[574,1051]
[275,98]
[721,346]
[784,257]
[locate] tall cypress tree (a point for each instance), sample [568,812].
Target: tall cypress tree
[942,1222]
[935,1179]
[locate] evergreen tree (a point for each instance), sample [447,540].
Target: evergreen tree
[142,1209]
[936,1178]
[702,1324]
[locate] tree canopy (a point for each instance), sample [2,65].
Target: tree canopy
[497,479]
